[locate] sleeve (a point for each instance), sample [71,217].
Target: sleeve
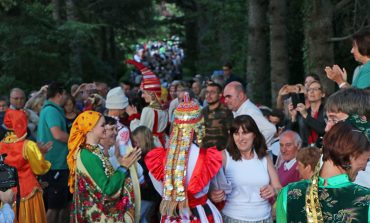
[155,162]
[146,119]
[207,166]
[108,185]
[316,124]
[267,129]
[281,206]
[123,138]
[292,125]
[6,214]
[35,158]
[51,119]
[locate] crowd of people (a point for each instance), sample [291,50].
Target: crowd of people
[190,151]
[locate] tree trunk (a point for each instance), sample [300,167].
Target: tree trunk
[224,37]
[204,18]
[57,10]
[75,44]
[258,80]
[278,47]
[318,29]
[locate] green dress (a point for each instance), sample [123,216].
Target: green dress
[101,194]
[341,201]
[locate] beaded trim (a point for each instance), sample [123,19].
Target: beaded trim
[108,168]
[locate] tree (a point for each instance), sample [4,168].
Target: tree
[278,47]
[318,29]
[258,79]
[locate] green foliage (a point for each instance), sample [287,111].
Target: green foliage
[8,4]
[35,49]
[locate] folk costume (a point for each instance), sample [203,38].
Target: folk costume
[152,116]
[100,193]
[182,173]
[339,200]
[26,157]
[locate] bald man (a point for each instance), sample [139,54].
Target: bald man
[238,102]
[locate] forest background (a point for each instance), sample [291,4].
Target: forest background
[269,42]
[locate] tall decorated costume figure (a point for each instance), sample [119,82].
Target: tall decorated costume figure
[182,172]
[28,159]
[152,116]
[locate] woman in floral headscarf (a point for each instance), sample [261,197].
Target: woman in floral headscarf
[330,195]
[100,193]
[28,159]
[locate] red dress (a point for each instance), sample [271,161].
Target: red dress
[203,165]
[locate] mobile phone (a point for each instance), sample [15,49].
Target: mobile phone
[297,98]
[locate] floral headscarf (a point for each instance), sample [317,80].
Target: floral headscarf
[84,123]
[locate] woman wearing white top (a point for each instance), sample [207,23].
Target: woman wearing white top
[251,173]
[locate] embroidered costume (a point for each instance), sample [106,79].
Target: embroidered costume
[101,194]
[182,173]
[152,116]
[351,206]
[26,157]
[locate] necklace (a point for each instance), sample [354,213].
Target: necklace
[108,169]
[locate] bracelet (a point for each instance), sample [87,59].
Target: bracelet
[342,84]
[276,191]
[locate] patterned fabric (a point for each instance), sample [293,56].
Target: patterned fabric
[188,122]
[150,81]
[360,124]
[340,201]
[217,123]
[90,204]
[81,126]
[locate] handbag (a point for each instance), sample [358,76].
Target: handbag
[9,179]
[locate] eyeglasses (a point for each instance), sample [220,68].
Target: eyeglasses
[332,120]
[17,98]
[314,89]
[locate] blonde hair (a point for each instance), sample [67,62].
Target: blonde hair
[145,136]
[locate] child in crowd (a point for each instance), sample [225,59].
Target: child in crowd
[142,137]
[307,159]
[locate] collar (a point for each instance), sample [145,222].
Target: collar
[247,103]
[48,102]
[288,165]
[335,180]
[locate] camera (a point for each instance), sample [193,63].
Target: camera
[297,98]
[8,175]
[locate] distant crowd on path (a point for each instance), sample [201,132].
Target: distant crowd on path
[194,151]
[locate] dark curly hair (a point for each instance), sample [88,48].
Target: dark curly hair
[247,123]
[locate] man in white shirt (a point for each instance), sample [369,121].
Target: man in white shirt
[238,102]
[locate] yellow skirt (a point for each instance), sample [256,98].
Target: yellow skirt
[31,210]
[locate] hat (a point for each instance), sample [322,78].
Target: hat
[150,82]
[187,124]
[116,99]
[187,112]
[16,121]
